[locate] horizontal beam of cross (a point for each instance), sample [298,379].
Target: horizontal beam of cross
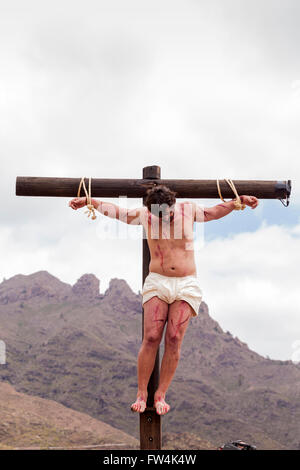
[136,188]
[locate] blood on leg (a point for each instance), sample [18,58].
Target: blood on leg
[158,321]
[178,318]
[155,316]
[184,316]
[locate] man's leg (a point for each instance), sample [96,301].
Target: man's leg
[178,319]
[155,316]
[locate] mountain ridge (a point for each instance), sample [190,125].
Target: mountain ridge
[83,354]
[28,421]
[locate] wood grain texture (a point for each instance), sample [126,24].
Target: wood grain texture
[150,421]
[135,188]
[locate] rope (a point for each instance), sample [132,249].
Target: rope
[237,203]
[89,205]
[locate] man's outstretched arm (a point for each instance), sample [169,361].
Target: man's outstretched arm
[128,216]
[220,210]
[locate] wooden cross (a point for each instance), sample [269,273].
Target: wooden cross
[150,421]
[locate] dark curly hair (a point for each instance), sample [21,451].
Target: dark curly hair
[159,195]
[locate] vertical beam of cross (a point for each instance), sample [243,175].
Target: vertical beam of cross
[150,421]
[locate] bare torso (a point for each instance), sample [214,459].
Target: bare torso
[171,244]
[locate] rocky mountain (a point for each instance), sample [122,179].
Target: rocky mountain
[42,286]
[29,422]
[87,287]
[78,347]
[185,440]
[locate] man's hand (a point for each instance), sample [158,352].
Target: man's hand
[251,201]
[77,203]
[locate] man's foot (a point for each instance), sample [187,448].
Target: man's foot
[160,405]
[140,404]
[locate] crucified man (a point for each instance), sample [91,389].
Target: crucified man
[171,291]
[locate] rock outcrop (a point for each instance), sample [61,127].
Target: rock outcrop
[87,287]
[35,287]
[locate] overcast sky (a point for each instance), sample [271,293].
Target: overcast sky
[204,89]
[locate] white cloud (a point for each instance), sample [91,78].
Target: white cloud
[251,285]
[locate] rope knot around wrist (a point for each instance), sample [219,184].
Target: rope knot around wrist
[89,205]
[238,205]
